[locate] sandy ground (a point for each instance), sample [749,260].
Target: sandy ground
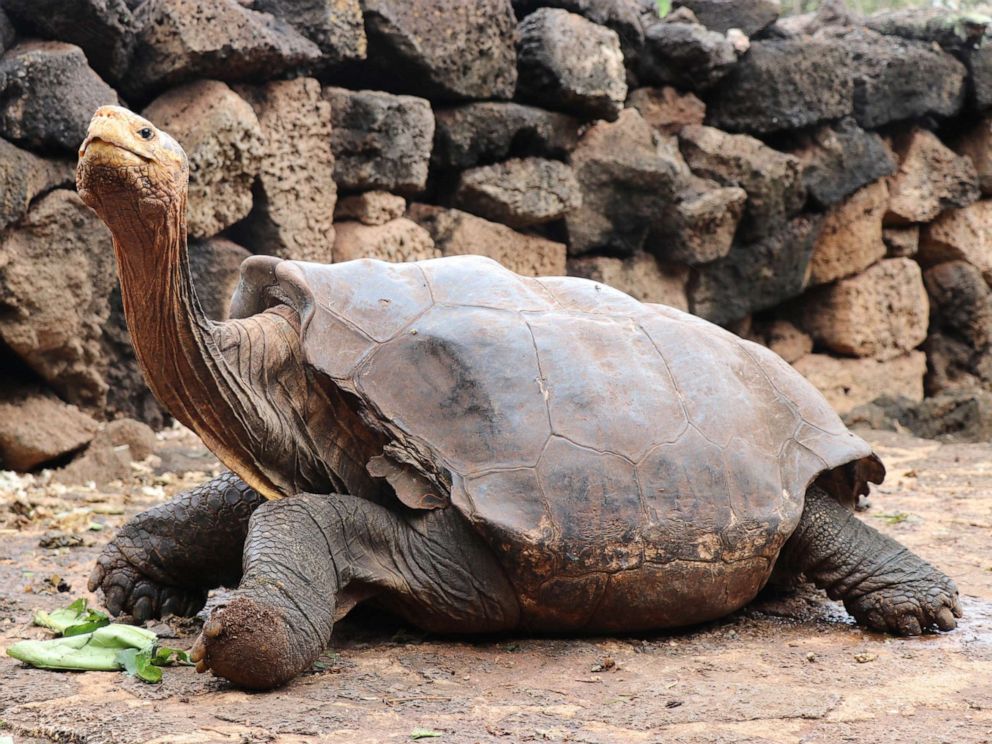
[783,670]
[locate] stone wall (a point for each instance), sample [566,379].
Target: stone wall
[815,183]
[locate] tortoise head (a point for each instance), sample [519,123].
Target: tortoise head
[129,168]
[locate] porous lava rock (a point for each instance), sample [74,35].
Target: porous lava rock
[23,177]
[750,16]
[335,26]
[520,192]
[641,276]
[397,240]
[851,237]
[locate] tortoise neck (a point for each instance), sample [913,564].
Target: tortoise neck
[177,345]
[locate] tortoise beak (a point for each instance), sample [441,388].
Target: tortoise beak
[110,140]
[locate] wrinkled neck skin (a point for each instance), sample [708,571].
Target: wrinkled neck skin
[240,385]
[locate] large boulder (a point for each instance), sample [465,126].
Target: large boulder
[750,16]
[178,40]
[223,140]
[397,240]
[293,210]
[48,94]
[840,158]
[641,276]
[443,49]
[623,16]
[380,140]
[896,79]
[23,177]
[666,109]
[103,29]
[458,233]
[958,346]
[880,313]
[848,383]
[960,235]
[980,67]
[930,179]
[699,224]
[773,180]
[686,55]
[626,183]
[56,273]
[215,268]
[755,276]
[568,63]
[37,428]
[519,192]
[784,84]
[336,27]
[851,237]
[490,131]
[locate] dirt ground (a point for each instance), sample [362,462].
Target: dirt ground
[783,670]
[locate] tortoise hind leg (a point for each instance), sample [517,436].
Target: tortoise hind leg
[883,584]
[164,560]
[308,559]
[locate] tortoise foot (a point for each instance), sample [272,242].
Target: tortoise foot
[129,588]
[249,642]
[909,608]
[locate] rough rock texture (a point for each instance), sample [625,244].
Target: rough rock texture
[980,66]
[879,313]
[23,177]
[755,276]
[294,196]
[490,131]
[901,241]
[750,16]
[930,179]
[519,192]
[56,272]
[370,208]
[8,34]
[961,328]
[625,184]
[686,55]
[666,109]
[851,237]
[783,84]
[397,240]
[641,276]
[951,416]
[897,79]
[976,145]
[182,39]
[333,25]
[773,180]
[221,135]
[36,427]
[838,159]
[699,224]
[568,63]
[960,234]
[380,141]
[446,49]
[784,338]
[848,383]
[623,16]
[215,266]
[104,29]
[458,233]
[48,94]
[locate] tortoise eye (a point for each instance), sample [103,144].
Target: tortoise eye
[145,133]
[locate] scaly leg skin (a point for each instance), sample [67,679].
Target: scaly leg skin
[164,561]
[883,585]
[309,558]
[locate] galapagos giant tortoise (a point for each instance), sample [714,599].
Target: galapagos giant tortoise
[474,450]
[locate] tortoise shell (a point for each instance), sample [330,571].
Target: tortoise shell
[620,457]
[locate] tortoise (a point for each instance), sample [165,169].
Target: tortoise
[474,450]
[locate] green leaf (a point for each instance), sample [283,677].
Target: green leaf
[420,733]
[75,619]
[96,651]
[165,656]
[139,664]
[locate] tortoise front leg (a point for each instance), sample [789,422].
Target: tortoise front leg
[308,559]
[883,584]
[165,560]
